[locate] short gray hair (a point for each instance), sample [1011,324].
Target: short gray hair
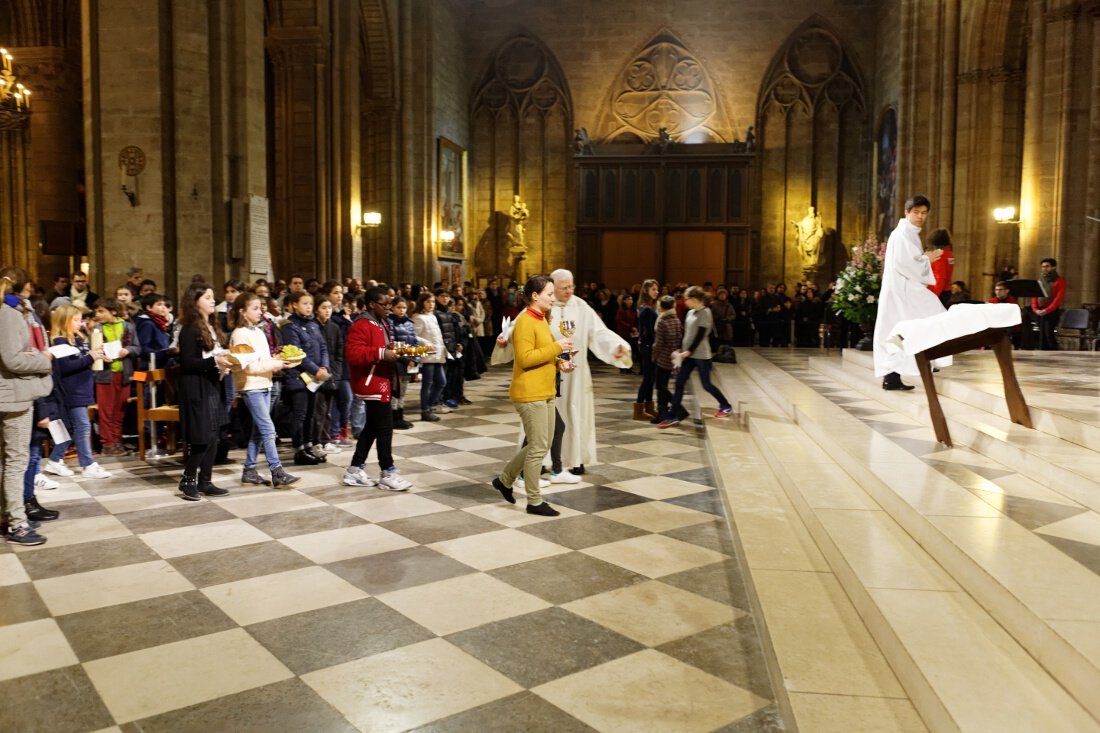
[561,274]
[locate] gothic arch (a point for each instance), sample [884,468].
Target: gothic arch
[522,121]
[40,23]
[664,85]
[813,138]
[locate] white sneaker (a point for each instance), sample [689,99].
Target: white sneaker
[442,409]
[319,451]
[332,448]
[565,477]
[521,485]
[57,468]
[95,471]
[41,483]
[391,481]
[355,476]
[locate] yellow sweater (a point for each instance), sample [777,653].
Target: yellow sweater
[534,369]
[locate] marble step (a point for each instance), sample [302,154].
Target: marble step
[822,659]
[975,380]
[988,626]
[1064,467]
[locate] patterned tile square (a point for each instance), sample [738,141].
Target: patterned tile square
[49,561]
[82,709]
[597,499]
[33,646]
[713,536]
[113,630]
[731,652]
[111,586]
[152,681]
[19,603]
[79,531]
[341,544]
[585,530]
[452,460]
[12,571]
[565,578]
[272,596]
[643,700]
[305,521]
[170,543]
[325,637]
[410,686]
[656,516]
[461,603]
[185,515]
[289,705]
[269,502]
[238,563]
[440,527]
[517,646]
[659,465]
[704,501]
[515,515]
[496,549]
[525,712]
[655,555]
[657,487]
[670,613]
[398,506]
[390,571]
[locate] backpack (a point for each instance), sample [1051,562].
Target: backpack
[725,355]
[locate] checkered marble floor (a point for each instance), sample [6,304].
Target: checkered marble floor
[334,608]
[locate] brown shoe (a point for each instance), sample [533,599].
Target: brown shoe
[114,450]
[640,413]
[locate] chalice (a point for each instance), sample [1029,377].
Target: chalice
[567,328]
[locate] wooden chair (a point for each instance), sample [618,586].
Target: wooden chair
[168,413]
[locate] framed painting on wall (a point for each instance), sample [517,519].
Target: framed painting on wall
[451,176]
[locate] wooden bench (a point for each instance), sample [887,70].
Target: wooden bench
[168,413]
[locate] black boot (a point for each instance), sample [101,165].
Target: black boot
[38,512]
[252,476]
[211,490]
[280,479]
[189,487]
[399,421]
[578,470]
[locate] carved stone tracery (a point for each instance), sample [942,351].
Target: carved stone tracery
[663,86]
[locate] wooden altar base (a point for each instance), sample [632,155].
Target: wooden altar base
[1000,341]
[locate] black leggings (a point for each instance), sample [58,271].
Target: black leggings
[645,361]
[664,397]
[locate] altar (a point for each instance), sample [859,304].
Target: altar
[962,328]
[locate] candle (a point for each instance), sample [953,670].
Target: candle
[122,174]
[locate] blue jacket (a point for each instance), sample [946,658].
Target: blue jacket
[74,376]
[305,333]
[153,341]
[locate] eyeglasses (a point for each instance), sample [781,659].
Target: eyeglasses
[382,303]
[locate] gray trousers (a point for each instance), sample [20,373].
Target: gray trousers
[15,445]
[538,426]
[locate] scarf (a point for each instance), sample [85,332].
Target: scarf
[159,321]
[1051,276]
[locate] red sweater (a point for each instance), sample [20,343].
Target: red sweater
[363,353]
[1042,306]
[943,269]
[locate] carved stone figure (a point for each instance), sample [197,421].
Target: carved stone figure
[808,234]
[517,236]
[750,140]
[664,140]
[582,144]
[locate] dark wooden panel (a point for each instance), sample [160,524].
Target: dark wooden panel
[588,255]
[674,196]
[651,212]
[694,195]
[629,207]
[716,199]
[609,195]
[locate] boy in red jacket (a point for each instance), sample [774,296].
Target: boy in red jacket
[370,359]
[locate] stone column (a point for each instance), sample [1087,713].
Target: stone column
[1090,245]
[16,213]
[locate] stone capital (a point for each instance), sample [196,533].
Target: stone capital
[48,71]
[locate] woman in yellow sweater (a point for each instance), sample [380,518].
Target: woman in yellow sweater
[534,374]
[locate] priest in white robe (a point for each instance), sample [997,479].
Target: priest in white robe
[577,402]
[906,272]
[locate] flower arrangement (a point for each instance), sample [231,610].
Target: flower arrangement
[858,285]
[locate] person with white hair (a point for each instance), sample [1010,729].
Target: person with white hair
[577,404]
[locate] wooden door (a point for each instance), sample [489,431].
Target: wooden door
[695,257]
[628,258]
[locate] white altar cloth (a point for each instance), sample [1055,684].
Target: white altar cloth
[919,334]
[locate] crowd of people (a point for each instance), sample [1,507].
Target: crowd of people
[329,366]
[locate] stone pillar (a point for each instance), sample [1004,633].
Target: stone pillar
[16,213]
[1090,244]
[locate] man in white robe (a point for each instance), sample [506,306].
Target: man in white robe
[906,272]
[577,402]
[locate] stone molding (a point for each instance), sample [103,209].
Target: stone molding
[996,75]
[812,68]
[292,48]
[523,76]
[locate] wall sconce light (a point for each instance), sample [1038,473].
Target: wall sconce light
[447,236]
[371,219]
[1005,215]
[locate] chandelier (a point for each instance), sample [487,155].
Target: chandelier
[15,99]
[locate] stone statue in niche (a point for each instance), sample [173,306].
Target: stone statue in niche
[664,140]
[750,140]
[808,234]
[517,236]
[582,144]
